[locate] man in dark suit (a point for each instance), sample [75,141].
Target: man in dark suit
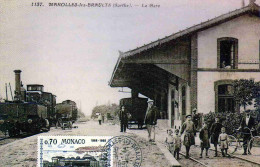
[123,119]
[215,131]
[195,118]
[247,124]
[151,119]
[189,128]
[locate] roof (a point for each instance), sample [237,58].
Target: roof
[251,8]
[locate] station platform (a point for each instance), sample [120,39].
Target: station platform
[161,133]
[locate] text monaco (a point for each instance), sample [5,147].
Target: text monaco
[73,141]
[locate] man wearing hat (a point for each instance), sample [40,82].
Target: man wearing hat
[248,123]
[189,128]
[123,119]
[151,119]
[195,118]
[215,131]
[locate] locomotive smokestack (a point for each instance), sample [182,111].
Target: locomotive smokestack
[17,82]
[243,3]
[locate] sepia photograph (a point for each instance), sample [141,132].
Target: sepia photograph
[130,83]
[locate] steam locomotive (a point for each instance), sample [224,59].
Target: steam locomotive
[30,111]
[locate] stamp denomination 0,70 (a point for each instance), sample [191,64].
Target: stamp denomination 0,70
[72,151]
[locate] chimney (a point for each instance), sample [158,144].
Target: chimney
[243,3]
[17,91]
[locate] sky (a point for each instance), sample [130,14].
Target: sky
[72,51]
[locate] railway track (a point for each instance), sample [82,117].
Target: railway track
[195,160]
[198,160]
[234,156]
[6,140]
[3,138]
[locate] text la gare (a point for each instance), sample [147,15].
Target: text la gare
[150,5]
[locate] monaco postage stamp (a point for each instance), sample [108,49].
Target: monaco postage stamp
[54,151]
[88,151]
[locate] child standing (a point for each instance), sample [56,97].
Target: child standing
[169,140]
[223,141]
[177,144]
[204,140]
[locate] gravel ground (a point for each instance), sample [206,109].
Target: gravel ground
[188,162]
[5,139]
[211,161]
[151,154]
[23,152]
[218,161]
[8,140]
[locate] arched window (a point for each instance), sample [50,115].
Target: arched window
[227,53]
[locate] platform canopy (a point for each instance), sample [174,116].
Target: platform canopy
[150,72]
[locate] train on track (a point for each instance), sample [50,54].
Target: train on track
[66,114]
[85,161]
[137,109]
[31,111]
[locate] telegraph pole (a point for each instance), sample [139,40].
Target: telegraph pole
[11,91]
[6,94]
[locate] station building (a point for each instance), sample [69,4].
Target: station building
[196,67]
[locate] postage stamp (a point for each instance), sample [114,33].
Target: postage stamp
[88,151]
[54,151]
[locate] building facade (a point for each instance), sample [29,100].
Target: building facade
[196,67]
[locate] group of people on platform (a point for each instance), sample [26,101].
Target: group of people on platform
[216,134]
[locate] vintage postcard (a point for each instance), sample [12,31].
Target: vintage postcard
[130,83]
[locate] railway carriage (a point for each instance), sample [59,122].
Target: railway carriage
[136,107]
[66,114]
